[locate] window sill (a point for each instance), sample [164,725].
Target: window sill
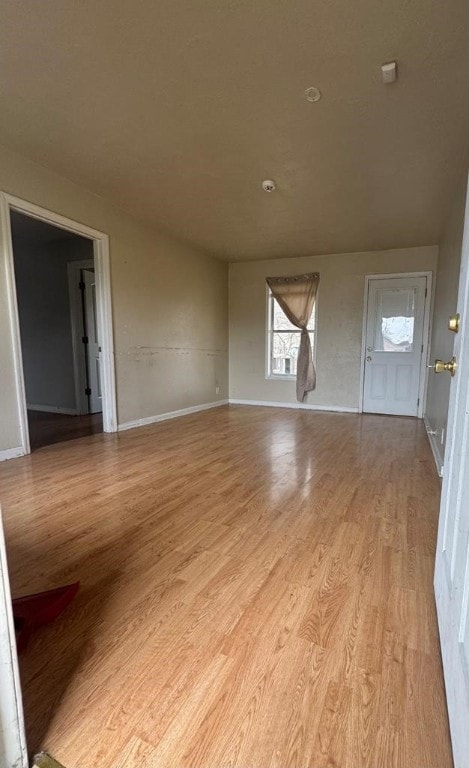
[280,377]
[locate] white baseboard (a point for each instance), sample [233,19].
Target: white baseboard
[436,448]
[11,453]
[169,415]
[52,409]
[298,406]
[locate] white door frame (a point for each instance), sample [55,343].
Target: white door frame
[12,732]
[103,294]
[76,317]
[426,334]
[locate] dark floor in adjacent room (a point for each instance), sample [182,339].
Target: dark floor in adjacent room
[48,428]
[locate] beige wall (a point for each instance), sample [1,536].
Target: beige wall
[446,297]
[339,322]
[169,305]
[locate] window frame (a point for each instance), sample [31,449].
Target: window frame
[268,339]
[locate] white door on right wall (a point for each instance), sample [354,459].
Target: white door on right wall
[394,345]
[452,552]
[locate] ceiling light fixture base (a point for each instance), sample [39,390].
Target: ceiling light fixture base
[268,185]
[389,72]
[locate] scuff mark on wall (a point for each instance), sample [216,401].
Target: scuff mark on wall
[141,353]
[190,349]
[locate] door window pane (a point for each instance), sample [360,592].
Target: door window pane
[394,320]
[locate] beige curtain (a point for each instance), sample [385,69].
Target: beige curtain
[296,296]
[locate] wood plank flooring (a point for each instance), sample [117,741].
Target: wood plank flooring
[256,593]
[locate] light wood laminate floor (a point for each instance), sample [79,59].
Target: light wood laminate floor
[256,593]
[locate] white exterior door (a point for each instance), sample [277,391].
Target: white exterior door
[93,348]
[452,557]
[394,345]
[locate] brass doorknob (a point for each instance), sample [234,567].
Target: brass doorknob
[441,367]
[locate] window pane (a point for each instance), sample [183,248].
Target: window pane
[281,322]
[285,348]
[394,320]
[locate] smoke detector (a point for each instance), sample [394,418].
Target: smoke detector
[268,185]
[313,94]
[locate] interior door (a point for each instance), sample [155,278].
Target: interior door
[452,557]
[93,348]
[394,345]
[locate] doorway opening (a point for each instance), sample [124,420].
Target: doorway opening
[60,405]
[60,313]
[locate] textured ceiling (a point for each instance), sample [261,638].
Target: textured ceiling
[177,109]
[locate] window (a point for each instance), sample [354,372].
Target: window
[283,340]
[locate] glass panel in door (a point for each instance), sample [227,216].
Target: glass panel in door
[394,320]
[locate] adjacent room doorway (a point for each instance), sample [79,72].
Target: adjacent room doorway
[61,321]
[395,339]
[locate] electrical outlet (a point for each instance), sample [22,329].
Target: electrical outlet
[217,390]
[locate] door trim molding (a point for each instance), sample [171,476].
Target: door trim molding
[103,293]
[13,749]
[79,371]
[425,337]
